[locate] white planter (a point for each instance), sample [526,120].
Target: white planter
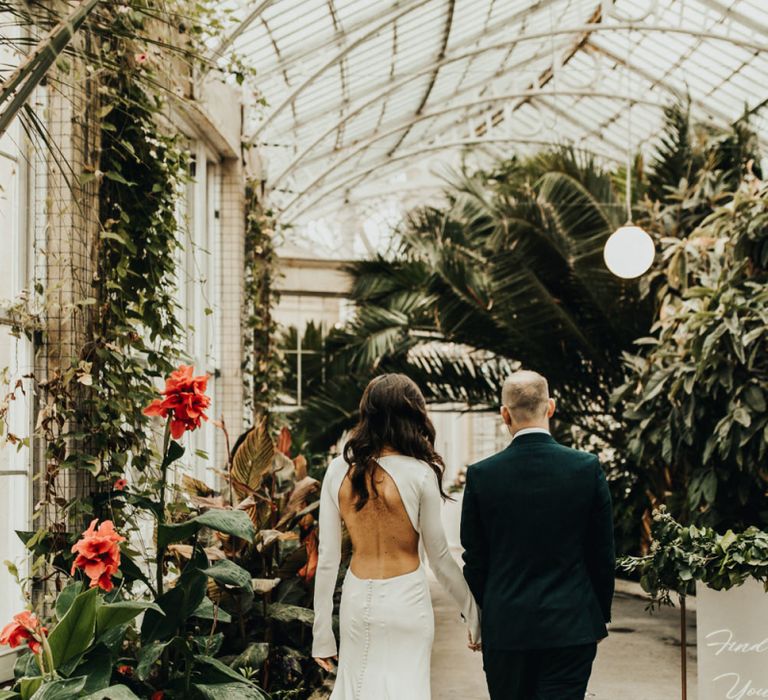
[732,642]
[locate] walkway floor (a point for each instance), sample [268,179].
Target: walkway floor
[638,661]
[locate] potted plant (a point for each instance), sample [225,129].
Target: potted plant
[729,574]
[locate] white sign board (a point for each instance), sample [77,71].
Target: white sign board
[732,642]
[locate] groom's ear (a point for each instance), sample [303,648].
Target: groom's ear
[551,406]
[505,415]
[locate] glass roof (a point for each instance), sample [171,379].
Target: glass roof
[369,103]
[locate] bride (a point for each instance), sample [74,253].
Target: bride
[387,490]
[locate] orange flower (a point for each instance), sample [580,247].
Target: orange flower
[25,626]
[98,554]
[185,401]
[125,670]
[120,484]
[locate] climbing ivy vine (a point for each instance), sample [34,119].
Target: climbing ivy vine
[264,365]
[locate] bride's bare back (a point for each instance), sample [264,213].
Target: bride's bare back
[384,542]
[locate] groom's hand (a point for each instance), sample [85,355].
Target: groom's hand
[474,646]
[327,664]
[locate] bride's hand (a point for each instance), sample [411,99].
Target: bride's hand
[327,664]
[474,646]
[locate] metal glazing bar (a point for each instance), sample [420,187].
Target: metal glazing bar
[465,106]
[361,174]
[594,28]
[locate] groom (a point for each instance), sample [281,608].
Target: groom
[537,531]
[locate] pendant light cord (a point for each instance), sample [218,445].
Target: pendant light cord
[628,187]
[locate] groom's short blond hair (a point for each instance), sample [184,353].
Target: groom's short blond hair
[526,395]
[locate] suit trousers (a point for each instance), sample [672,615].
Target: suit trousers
[540,674]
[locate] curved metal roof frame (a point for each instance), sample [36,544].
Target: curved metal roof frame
[354,87]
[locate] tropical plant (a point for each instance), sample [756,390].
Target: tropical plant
[682,555]
[230,603]
[696,392]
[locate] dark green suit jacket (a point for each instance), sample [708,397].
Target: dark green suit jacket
[537,530]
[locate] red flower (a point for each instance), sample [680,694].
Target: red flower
[185,401]
[120,484]
[125,670]
[25,626]
[98,554]
[157,695]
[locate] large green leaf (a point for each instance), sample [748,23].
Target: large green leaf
[227,572]
[114,692]
[9,695]
[96,668]
[231,522]
[115,614]
[64,689]
[230,691]
[253,656]
[74,633]
[207,611]
[67,596]
[177,606]
[28,686]
[148,655]
[214,671]
[252,460]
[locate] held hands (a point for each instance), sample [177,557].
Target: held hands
[474,646]
[327,664]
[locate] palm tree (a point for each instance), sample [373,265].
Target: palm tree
[509,272]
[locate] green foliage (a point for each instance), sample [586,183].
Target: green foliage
[231,522]
[697,168]
[695,396]
[682,555]
[264,365]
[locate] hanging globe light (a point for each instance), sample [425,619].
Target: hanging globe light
[629,251]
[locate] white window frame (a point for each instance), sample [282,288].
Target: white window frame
[200,231]
[20,421]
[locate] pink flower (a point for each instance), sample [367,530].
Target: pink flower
[120,484]
[98,554]
[141,57]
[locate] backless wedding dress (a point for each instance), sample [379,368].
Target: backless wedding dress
[386,625]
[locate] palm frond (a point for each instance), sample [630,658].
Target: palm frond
[18,87]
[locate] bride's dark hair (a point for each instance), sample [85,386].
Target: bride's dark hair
[393,414]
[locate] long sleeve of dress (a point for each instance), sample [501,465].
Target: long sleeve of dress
[329,559]
[442,562]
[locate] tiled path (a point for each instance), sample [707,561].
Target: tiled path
[639,660]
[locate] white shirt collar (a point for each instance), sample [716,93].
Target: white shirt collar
[530,431]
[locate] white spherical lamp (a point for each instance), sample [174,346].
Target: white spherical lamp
[629,251]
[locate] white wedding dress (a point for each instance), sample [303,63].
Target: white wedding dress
[386,625]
